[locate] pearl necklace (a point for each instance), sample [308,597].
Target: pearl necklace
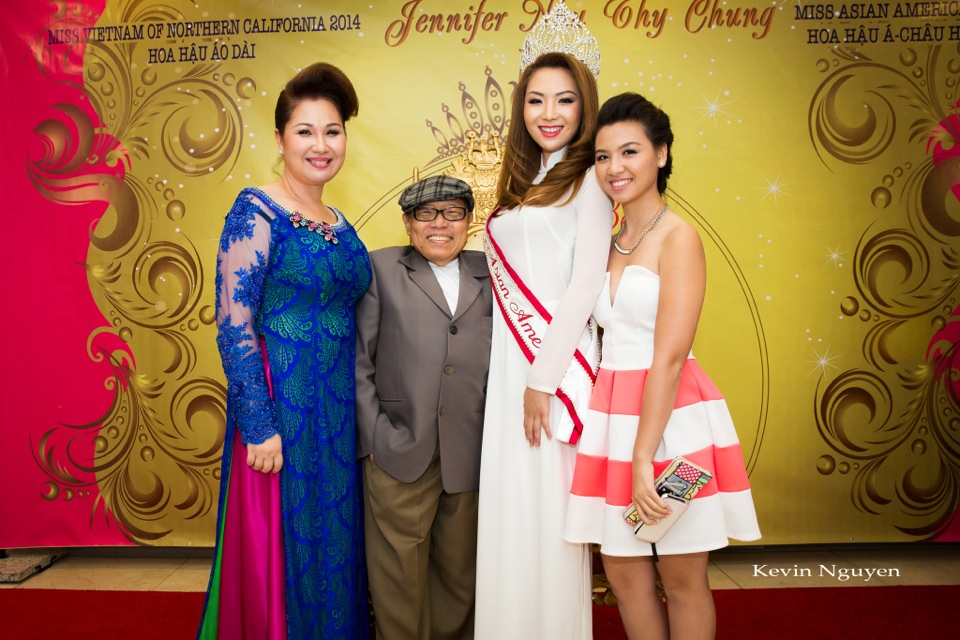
[325,229]
[623,227]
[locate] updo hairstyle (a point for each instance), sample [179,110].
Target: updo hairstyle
[319,80]
[632,107]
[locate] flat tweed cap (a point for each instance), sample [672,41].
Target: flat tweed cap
[435,189]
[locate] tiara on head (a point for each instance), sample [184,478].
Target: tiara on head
[561,31]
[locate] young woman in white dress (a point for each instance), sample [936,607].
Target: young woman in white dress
[651,401]
[553,228]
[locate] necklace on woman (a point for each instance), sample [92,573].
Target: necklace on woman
[297,219]
[325,229]
[623,227]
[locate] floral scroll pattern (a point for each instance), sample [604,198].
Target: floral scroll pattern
[894,422]
[152,460]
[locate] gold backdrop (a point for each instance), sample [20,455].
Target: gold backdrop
[805,154]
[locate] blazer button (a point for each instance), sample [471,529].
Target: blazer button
[443,411]
[454,330]
[448,369]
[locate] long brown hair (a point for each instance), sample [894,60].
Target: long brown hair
[522,156]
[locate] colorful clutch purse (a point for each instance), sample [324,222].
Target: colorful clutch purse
[677,485]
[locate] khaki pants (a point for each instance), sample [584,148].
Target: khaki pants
[421,545]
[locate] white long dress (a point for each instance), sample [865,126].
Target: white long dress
[530,583]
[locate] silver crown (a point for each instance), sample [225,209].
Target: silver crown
[560,30]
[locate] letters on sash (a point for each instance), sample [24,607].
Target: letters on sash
[528,320]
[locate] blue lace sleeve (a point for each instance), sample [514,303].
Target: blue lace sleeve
[241,267]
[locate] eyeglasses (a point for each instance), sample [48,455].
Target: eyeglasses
[429,214]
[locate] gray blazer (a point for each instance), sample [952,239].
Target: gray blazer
[422,373]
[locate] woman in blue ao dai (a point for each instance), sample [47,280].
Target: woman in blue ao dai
[289,555]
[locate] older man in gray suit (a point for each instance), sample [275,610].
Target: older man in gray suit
[423,350]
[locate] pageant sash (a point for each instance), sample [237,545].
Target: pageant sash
[528,320]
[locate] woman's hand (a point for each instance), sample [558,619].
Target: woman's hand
[536,415]
[266,457]
[650,506]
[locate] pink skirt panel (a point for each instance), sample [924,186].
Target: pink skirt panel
[599,477]
[621,392]
[252,592]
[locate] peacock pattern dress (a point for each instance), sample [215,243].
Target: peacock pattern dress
[290,290]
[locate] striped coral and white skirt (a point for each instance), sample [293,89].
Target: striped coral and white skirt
[699,429]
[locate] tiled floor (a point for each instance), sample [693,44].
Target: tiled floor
[734,568]
[120,574]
